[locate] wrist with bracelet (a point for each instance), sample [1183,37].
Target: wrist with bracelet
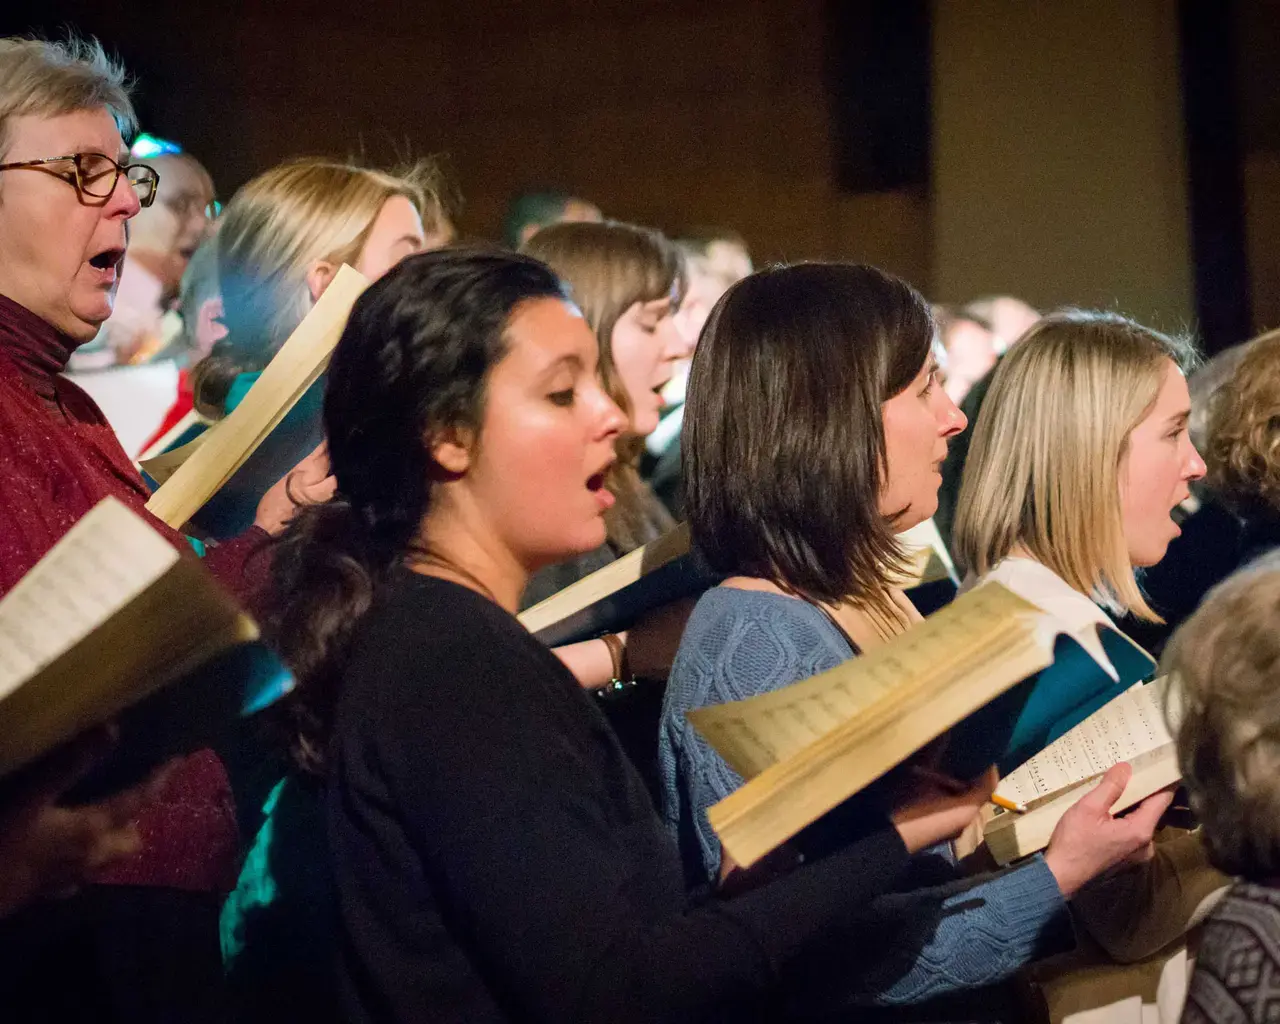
[622,679]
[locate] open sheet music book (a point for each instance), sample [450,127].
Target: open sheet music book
[991,668]
[207,465]
[97,630]
[1130,728]
[665,570]
[615,597]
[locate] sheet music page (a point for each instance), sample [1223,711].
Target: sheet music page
[227,445]
[102,564]
[751,735]
[1131,725]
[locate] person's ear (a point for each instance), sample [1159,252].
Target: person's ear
[451,451]
[319,274]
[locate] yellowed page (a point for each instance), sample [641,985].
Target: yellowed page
[932,695]
[111,614]
[752,735]
[1123,729]
[230,442]
[607,581]
[1011,836]
[105,561]
[157,454]
[161,467]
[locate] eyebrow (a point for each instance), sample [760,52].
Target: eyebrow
[1179,418]
[572,361]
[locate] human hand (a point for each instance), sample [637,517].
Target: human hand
[936,809]
[1088,840]
[48,850]
[308,483]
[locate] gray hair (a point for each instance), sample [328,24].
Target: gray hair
[49,79]
[1222,664]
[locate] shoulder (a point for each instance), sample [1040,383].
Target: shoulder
[431,647]
[1048,591]
[738,643]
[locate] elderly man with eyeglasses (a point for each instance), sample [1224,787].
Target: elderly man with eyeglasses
[67,194]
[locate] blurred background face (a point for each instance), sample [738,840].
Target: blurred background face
[574,210]
[164,236]
[60,257]
[971,353]
[646,344]
[728,260]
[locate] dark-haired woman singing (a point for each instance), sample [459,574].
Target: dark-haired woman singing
[814,429]
[496,856]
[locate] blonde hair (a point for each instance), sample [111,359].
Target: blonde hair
[1222,665]
[609,267]
[48,79]
[273,230]
[1242,455]
[1044,465]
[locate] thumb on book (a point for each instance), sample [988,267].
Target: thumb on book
[1109,789]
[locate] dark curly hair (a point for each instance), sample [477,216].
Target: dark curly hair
[413,361]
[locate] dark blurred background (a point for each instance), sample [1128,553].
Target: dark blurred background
[1092,152]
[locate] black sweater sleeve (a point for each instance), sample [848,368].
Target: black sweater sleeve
[545,861]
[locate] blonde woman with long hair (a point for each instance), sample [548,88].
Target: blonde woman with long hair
[280,242]
[282,239]
[1079,457]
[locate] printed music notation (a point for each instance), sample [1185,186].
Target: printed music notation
[754,734]
[105,561]
[1131,725]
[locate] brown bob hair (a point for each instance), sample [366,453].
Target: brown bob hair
[784,448]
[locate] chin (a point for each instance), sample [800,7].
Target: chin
[1151,556]
[81,328]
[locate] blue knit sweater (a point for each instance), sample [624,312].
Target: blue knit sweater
[962,934]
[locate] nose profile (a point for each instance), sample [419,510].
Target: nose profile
[675,343]
[124,200]
[610,419]
[953,419]
[1196,468]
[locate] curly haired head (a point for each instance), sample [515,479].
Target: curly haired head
[1224,665]
[1243,450]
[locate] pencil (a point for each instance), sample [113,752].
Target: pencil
[1007,804]
[957,787]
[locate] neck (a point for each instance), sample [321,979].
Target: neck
[37,349]
[456,552]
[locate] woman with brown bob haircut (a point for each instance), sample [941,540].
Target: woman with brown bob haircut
[814,431]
